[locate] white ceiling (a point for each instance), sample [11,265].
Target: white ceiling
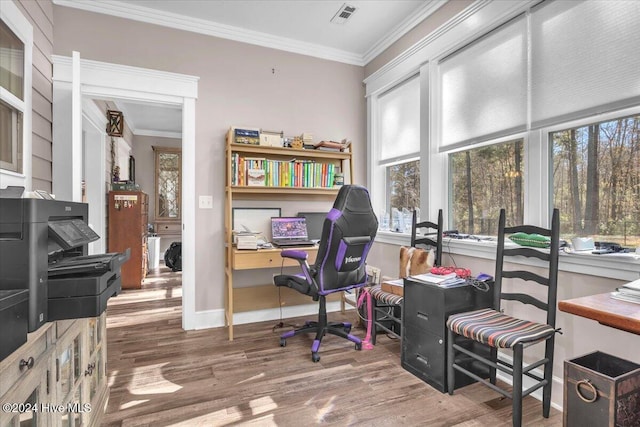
[300,26]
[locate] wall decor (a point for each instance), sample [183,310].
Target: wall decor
[115,123]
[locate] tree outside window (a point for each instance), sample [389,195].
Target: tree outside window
[483,181]
[403,194]
[596,180]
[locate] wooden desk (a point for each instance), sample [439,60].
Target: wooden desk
[265,296]
[606,310]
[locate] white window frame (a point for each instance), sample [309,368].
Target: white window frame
[472,23]
[13,18]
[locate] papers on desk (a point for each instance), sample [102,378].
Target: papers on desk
[628,292]
[445,280]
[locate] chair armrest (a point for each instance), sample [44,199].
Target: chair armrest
[295,254]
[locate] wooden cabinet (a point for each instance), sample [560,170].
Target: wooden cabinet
[128,221]
[285,173]
[424,331]
[58,377]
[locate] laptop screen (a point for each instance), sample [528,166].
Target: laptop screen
[288,228]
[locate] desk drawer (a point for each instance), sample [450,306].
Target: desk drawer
[245,260]
[423,354]
[32,352]
[168,228]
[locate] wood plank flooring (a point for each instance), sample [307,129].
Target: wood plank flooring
[161,375]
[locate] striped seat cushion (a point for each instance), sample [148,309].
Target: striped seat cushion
[385,297]
[497,329]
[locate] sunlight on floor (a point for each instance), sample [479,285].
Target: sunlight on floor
[253,378]
[262,405]
[158,386]
[218,418]
[324,411]
[133,403]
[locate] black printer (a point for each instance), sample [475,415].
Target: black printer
[43,249]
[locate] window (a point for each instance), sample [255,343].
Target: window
[12,104]
[399,152]
[483,181]
[168,183]
[16,45]
[596,180]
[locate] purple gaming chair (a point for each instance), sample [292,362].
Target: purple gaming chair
[347,236]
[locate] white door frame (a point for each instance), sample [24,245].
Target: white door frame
[101,80]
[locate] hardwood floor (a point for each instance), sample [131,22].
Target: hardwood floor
[161,375]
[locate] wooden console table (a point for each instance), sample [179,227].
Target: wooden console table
[606,310]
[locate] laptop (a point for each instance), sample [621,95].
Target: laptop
[289,231]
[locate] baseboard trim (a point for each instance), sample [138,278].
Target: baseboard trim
[215,318]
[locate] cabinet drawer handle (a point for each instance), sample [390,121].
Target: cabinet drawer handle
[423,360]
[590,386]
[26,364]
[423,316]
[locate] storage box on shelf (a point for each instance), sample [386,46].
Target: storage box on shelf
[277,173]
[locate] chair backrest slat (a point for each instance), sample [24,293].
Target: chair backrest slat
[529,229]
[527,252]
[433,239]
[549,256]
[525,275]
[525,299]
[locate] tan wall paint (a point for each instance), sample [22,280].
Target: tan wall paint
[420,31]
[40,15]
[236,87]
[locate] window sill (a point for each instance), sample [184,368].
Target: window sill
[621,267]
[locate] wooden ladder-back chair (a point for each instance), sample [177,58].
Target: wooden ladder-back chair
[497,330]
[387,307]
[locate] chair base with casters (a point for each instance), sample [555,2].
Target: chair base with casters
[347,235]
[321,328]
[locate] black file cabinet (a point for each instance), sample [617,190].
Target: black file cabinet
[424,330]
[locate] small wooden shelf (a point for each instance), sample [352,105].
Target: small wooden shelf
[289,152]
[262,297]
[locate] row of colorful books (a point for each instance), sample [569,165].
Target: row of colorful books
[249,171]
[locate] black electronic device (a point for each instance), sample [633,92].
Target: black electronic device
[43,249]
[315,222]
[71,233]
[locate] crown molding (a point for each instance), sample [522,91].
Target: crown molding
[157,133]
[403,28]
[201,26]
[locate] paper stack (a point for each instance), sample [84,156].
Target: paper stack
[628,292]
[445,280]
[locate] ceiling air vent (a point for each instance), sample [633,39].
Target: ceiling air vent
[343,14]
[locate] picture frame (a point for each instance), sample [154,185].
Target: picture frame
[257,220]
[115,123]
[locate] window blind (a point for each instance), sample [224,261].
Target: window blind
[400,121]
[585,59]
[483,87]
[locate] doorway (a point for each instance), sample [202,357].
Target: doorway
[75,80]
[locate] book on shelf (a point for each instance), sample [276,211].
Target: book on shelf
[332,145]
[256,177]
[246,136]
